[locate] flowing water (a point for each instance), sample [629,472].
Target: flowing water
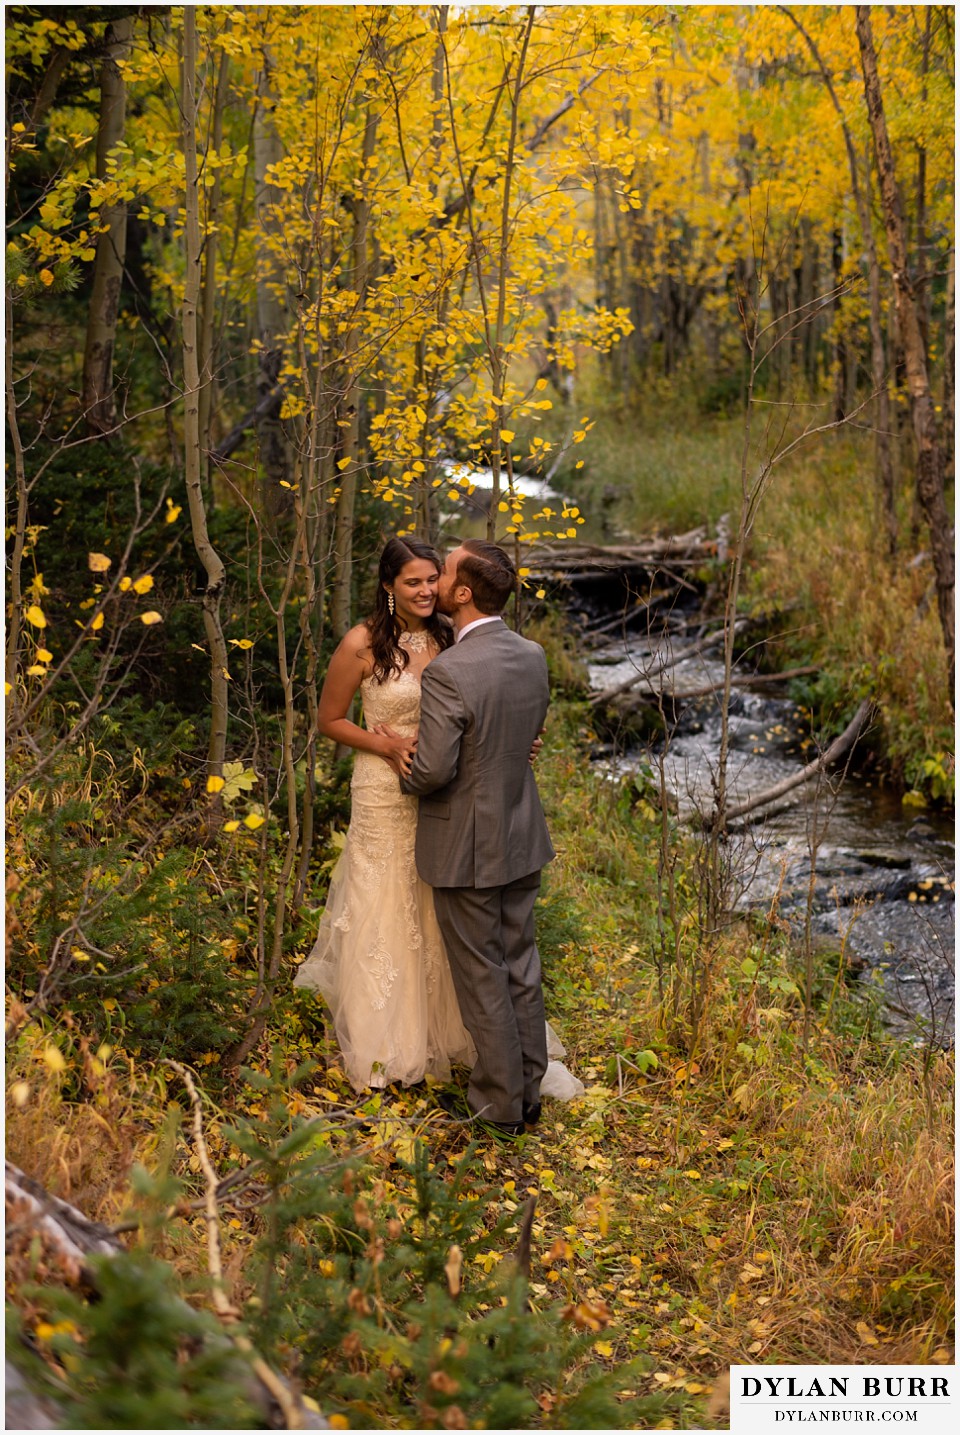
[878,875]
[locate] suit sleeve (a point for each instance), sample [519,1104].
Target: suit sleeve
[442,724]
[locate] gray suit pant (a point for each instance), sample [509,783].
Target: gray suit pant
[491,943]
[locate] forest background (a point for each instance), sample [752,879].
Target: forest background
[279,280]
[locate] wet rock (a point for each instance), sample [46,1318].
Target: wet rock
[885,859]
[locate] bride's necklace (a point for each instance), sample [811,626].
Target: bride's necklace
[417,642]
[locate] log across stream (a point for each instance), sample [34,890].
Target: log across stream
[879,874]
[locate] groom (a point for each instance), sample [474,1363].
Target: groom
[481,834]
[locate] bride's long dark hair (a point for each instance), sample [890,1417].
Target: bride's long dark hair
[385,630]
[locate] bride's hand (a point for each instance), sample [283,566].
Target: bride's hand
[537,745]
[396,751]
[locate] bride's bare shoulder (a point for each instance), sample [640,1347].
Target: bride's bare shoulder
[355,644]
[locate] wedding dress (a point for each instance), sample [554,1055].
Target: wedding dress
[379,959]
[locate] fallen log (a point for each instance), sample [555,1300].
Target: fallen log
[640,609]
[837,750]
[70,1237]
[685,549]
[750,680]
[694,650]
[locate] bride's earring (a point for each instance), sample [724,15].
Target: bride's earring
[390,604]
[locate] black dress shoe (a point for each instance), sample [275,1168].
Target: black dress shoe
[531,1114]
[454,1104]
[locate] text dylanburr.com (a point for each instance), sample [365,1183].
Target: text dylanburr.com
[799,1397]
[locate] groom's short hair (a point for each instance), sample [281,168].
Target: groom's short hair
[489,574]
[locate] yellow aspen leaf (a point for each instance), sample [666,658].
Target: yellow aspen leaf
[603,1347]
[541,593]
[173,512]
[420,414]
[243,643]
[109,1004]
[54,1058]
[503,507]
[8,689]
[418,467]
[215,784]
[231,826]
[253,820]
[44,655]
[36,616]
[344,463]
[98,562]
[36,670]
[46,277]
[507,435]
[144,584]
[125,583]
[151,617]
[96,622]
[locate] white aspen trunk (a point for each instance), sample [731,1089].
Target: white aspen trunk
[346,503]
[193,465]
[98,399]
[929,456]
[272,318]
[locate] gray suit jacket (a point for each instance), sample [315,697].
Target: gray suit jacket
[483,703]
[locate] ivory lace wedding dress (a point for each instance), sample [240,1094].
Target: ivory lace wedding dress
[379,959]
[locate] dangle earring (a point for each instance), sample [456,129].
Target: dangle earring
[390,604]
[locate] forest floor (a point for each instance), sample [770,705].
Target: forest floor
[745,1180]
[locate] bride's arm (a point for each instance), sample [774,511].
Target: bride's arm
[350,664]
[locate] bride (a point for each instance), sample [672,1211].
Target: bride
[379,960]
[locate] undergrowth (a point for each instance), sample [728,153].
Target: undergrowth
[763,1185]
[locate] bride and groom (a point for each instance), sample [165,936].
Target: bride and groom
[426,953]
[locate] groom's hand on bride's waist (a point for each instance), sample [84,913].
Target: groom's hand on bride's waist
[397,751]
